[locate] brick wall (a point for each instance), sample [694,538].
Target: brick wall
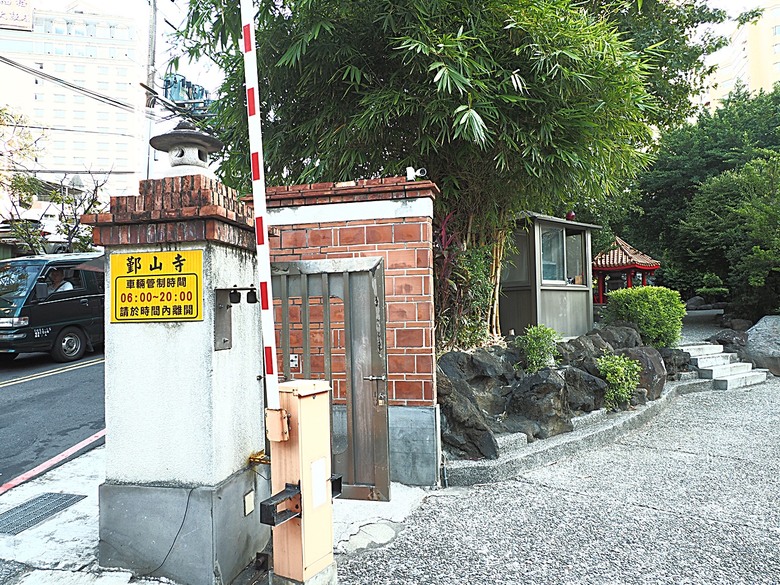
[384,225]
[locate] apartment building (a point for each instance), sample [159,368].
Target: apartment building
[752,57]
[75,74]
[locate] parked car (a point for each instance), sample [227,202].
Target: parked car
[52,303]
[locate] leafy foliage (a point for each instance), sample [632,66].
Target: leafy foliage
[656,311]
[674,38]
[539,347]
[622,376]
[463,293]
[508,105]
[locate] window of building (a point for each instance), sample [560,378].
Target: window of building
[38,113]
[776,48]
[91,29]
[79,145]
[776,31]
[79,114]
[79,69]
[121,117]
[39,65]
[563,255]
[59,98]
[59,113]
[78,99]
[91,51]
[121,72]
[39,97]
[102,85]
[102,70]
[121,86]
[48,48]
[102,115]
[59,145]
[121,146]
[60,27]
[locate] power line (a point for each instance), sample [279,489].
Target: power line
[77,88]
[69,172]
[81,131]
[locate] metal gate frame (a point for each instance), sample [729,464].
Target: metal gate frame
[359,283]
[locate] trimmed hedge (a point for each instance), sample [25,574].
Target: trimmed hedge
[657,312]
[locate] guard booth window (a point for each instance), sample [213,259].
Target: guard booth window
[563,256]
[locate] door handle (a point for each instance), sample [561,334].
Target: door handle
[84,302]
[375,378]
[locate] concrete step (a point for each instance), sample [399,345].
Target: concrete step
[740,380]
[688,376]
[511,441]
[699,350]
[718,359]
[725,370]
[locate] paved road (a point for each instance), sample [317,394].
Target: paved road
[690,498]
[46,408]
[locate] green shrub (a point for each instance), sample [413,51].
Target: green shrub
[539,347]
[622,376]
[713,294]
[656,311]
[710,280]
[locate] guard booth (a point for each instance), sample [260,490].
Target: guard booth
[547,278]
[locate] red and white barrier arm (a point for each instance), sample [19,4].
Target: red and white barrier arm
[258,194]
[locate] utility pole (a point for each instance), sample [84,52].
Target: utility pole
[150,69]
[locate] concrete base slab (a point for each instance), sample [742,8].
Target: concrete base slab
[327,576]
[198,535]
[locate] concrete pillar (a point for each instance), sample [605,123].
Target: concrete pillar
[184,407]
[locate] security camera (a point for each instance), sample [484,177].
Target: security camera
[412,173]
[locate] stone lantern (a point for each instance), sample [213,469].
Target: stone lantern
[187,147]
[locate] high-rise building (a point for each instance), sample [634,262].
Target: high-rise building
[75,74]
[752,57]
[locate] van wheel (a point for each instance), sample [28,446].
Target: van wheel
[70,345]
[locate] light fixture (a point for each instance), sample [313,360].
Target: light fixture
[234,296]
[251,296]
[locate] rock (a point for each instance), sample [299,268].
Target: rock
[488,373]
[465,430]
[694,303]
[542,397]
[585,392]
[720,305]
[740,324]
[653,376]
[763,344]
[705,307]
[639,396]
[732,341]
[619,336]
[675,361]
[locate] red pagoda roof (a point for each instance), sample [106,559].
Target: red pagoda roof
[621,256]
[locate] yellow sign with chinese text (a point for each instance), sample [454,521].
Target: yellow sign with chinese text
[157,286]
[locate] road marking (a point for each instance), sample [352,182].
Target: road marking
[48,373]
[43,467]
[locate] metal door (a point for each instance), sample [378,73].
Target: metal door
[333,327]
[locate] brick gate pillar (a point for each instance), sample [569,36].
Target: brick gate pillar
[184,405]
[388,217]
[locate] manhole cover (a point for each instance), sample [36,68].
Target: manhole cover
[35,511]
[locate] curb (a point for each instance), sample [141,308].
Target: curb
[604,429]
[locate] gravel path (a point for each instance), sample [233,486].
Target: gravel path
[690,498]
[699,326]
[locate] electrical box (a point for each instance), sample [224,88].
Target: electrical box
[301,476]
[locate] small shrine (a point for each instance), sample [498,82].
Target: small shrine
[621,266]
